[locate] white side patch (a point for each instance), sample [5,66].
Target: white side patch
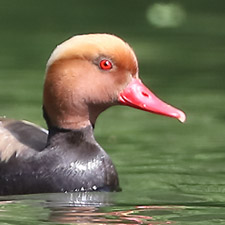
[9,145]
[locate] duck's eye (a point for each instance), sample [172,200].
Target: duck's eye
[105,64]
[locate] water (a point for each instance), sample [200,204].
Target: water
[110,208]
[170,173]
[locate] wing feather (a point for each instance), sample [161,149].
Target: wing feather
[17,137]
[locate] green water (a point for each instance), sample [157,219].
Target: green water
[169,172]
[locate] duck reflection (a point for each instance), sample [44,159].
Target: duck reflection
[84,208]
[97,208]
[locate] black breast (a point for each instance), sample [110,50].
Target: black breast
[72,161]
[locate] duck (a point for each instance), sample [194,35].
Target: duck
[85,75]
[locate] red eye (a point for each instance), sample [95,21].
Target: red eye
[105,64]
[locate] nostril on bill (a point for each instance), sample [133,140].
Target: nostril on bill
[145,94]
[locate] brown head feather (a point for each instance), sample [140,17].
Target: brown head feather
[76,90]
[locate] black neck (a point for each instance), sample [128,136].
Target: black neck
[53,130]
[75,137]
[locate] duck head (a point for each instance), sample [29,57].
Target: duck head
[89,73]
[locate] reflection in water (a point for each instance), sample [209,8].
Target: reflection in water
[98,208]
[95,215]
[165,15]
[80,208]
[78,199]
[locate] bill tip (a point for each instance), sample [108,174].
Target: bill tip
[182,117]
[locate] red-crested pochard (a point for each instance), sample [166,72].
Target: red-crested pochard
[85,75]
